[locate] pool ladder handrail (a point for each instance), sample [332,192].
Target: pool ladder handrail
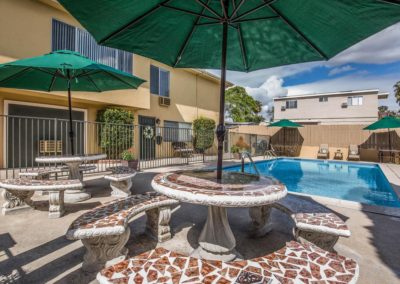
[270,154]
[243,155]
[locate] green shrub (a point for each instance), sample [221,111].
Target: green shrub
[115,131]
[203,130]
[235,149]
[127,156]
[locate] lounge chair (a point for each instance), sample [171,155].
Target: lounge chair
[323,152]
[182,150]
[354,153]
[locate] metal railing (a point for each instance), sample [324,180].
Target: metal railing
[243,156]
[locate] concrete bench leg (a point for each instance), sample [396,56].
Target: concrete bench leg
[158,223]
[121,188]
[260,220]
[16,200]
[56,204]
[104,251]
[322,240]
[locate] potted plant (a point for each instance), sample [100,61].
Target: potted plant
[235,150]
[128,160]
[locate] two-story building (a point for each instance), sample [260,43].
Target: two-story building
[170,97]
[349,107]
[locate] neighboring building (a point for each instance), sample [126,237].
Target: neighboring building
[170,97]
[352,107]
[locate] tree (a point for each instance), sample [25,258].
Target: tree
[203,129]
[397,92]
[241,107]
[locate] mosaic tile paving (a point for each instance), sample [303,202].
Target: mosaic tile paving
[295,263]
[329,220]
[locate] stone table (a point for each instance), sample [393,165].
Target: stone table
[216,241]
[73,163]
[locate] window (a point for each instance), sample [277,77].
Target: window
[355,101]
[159,81]
[291,104]
[323,99]
[65,36]
[177,131]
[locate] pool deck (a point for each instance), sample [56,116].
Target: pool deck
[34,248]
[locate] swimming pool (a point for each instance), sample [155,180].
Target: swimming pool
[364,183]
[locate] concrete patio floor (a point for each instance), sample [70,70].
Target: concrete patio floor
[33,248]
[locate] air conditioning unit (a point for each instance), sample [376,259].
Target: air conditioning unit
[344,105]
[283,108]
[164,101]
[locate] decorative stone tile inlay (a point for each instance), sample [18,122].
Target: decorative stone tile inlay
[234,190]
[112,217]
[33,184]
[325,221]
[120,173]
[295,263]
[39,172]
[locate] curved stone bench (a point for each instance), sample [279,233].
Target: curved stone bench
[313,222]
[39,173]
[82,168]
[104,230]
[120,180]
[18,192]
[295,263]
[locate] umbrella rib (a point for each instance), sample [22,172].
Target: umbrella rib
[189,12]
[256,19]
[179,57]
[119,79]
[394,2]
[224,8]
[94,84]
[236,9]
[15,75]
[242,48]
[52,81]
[132,23]
[255,9]
[300,33]
[206,5]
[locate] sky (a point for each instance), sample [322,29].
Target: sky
[371,64]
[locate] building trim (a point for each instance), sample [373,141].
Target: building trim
[334,94]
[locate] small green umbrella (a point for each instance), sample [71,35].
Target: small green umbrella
[65,70]
[239,35]
[388,122]
[285,123]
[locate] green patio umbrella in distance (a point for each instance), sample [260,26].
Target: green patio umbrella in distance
[65,70]
[285,123]
[388,122]
[251,34]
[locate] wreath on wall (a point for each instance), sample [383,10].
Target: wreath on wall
[148,132]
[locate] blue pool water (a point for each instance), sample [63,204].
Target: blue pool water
[364,183]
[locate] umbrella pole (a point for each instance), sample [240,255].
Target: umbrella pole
[71,131]
[221,126]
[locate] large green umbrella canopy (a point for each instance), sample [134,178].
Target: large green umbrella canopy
[251,34]
[285,123]
[65,70]
[388,122]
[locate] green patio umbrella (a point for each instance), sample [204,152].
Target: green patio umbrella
[65,70]
[388,122]
[285,123]
[251,34]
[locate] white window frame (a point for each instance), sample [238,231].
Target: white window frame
[355,100]
[160,70]
[291,104]
[323,99]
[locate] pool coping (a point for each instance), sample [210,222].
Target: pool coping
[387,169]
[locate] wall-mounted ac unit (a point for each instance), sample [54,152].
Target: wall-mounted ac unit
[164,101]
[344,105]
[283,108]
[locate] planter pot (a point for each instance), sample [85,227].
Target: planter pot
[133,164]
[237,156]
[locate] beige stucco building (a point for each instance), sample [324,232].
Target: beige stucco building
[351,107]
[34,27]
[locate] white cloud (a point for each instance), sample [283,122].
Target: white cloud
[270,89]
[339,70]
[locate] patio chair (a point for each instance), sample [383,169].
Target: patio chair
[354,153]
[182,150]
[323,152]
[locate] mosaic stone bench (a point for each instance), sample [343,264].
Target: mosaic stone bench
[18,192]
[294,263]
[82,168]
[313,222]
[104,230]
[120,180]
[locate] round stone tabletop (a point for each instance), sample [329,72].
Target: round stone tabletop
[70,158]
[33,184]
[234,190]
